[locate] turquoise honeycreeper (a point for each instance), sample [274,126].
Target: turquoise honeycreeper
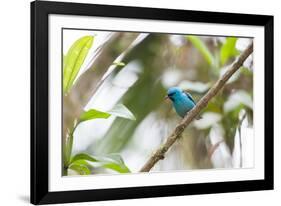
[182,101]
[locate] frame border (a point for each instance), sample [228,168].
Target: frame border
[40,10]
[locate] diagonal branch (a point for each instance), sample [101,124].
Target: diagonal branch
[160,152]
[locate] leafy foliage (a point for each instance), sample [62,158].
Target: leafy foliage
[228,50]
[72,63]
[80,163]
[93,114]
[202,48]
[74,59]
[83,156]
[121,111]
[118,110]
[80,168]
[121,64]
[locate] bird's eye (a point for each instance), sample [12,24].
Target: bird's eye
[171,94]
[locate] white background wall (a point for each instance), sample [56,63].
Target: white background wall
[14,102]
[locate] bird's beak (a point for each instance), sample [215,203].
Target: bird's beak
[166,97]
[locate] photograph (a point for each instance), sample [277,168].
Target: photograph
[137,102]
[125,96]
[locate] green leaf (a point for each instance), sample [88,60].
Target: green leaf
[114,162]
[110,161]
[117,167]
[74,60]
[228,50]
[200,45]
[115,157]
[83,156]
[83,162]
[121,64]
[82,169]
[120,110]
[93,114]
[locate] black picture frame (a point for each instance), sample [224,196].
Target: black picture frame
[39,102]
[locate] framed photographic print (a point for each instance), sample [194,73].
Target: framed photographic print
[131,102]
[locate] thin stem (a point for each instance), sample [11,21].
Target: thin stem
[240,140]
[68,146]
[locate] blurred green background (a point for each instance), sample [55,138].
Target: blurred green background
[146,66]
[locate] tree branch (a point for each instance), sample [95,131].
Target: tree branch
[160,152]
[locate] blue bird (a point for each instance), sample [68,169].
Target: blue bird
[182,101]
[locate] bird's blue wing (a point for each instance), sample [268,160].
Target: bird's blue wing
[189,97]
